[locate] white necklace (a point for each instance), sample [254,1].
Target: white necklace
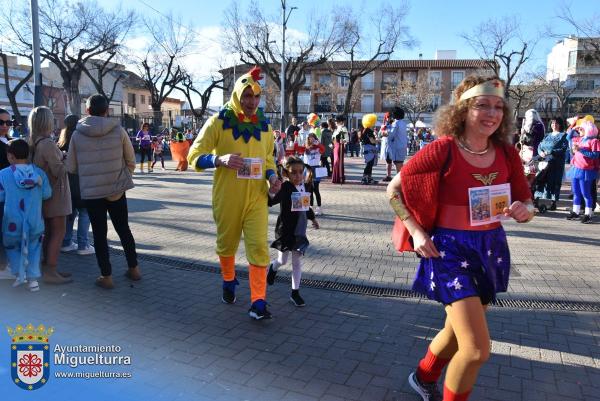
[466,148]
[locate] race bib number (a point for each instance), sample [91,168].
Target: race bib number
[300,201]
[251,170]
[486,204]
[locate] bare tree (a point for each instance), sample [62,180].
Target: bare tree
[500,44]
[98,70]
[161,68]
[525,94]
[73,34]
[415,97]
[253,37]
[559,90]
[385,29]
[188,87]
[13,46]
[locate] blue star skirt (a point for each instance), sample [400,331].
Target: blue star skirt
[472,263]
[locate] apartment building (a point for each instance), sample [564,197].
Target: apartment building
[324,91]
[574,63]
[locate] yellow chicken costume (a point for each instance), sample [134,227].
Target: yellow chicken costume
[240,196]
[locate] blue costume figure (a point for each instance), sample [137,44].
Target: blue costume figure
[22,188]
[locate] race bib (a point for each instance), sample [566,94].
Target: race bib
[300,201]
[487,203]
[251,170]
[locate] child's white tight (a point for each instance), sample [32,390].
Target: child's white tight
[282,258]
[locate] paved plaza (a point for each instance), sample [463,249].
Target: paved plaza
[185,344]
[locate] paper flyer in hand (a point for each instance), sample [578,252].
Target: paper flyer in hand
[300,201]
[251,170]
[486,204]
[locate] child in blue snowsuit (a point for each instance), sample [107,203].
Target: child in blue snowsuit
[23,187]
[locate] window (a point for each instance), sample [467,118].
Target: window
[131,99]
[142,99]
[572,58]
[435,80]
[457,77]
[308,78]
[343,79]
[303,102]
[367,82]
[387,102]
[410,76]
[324,80]
[367,104]
[585,84]
[436,101]
[389,80]
[341,101]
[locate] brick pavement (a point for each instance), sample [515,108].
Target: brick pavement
[552,258]
[187,345]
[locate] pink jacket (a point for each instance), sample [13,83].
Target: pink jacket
[584,162]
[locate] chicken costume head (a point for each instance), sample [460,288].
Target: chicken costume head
[233,115]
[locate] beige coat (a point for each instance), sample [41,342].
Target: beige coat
[49,158]
[101,153]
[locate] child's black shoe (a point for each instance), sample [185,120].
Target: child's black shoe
[296,298]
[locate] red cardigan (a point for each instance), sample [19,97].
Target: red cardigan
[420,178]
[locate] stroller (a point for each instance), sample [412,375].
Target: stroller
[536,171]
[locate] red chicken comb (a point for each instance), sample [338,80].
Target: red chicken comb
[255,73]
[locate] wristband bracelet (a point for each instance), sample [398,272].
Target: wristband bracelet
[531,210]
[398,206]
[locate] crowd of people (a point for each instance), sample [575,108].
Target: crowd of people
[46,186]
[438,196]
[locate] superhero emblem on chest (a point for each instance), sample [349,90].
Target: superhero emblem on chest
[486,179]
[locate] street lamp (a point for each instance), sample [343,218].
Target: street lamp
[284,19]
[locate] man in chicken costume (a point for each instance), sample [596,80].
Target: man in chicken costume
[238,143]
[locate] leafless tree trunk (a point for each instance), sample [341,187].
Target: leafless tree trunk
[161,69]
[188,88]
[11,94]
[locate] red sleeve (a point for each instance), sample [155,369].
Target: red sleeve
[321,148]
[520,190]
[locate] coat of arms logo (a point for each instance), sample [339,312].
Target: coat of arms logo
[30,355]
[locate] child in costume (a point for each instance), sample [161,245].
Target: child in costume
[23,187]
[339,142]
[463,265]
[144,139]
[290,230]
[584,170]
[157,149]
[179,149]
[369,147]
[312,157]
[238,142]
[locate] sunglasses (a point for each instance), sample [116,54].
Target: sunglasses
[7,123]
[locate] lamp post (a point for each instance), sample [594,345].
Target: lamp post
[284,19]
[37,73]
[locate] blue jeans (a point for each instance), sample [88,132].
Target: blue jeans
[83,226]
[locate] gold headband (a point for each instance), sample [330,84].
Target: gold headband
[490,88]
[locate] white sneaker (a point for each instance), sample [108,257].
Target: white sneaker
[6,274]
[33,286]
[88,250]
[18,282]
[69,248]
[318,211]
